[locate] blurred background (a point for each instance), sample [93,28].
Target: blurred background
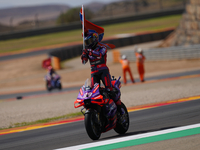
[24,15]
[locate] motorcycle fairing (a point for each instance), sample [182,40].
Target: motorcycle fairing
[111,113]
[86,93]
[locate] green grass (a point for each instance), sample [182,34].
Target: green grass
[44,120]
[75,35]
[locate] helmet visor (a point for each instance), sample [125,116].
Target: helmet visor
[88,41]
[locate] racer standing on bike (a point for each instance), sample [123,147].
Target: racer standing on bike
[97,56]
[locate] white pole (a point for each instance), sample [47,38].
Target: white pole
[83,26]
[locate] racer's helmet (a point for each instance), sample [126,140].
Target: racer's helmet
[91,40]
[124,57]
[140,50]
[50,69]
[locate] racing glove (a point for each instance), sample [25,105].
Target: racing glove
[84,57]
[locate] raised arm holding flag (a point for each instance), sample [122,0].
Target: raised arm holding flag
[96,53]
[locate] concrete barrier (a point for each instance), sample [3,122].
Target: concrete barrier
[65,53]
[166,54]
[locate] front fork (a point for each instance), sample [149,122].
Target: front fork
[82,111]
[97,116]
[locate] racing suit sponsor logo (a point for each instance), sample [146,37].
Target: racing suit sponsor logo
[95,62]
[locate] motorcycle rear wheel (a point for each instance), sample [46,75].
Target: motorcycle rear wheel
[92,126]
[122,127]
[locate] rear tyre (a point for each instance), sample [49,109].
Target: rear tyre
[122,124]
[92,126]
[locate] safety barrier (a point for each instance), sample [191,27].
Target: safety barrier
[116,56]
[65,53]
[56,63]
[163,54]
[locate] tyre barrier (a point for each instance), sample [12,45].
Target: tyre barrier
[69,52]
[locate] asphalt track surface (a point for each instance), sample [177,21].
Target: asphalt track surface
[65,135]
[34,93]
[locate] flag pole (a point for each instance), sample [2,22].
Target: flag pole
[83,23]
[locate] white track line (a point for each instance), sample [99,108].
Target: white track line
[95,144]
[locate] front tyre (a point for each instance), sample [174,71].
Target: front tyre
[122,124]
[59,86]
[49,88]
[92,126]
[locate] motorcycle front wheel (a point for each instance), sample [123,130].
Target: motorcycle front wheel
[92,125]
[49,88]
[59,86]
[122,124]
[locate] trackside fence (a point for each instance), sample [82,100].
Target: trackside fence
[164,54]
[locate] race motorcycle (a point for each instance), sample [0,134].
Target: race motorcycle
[52,83]
[101,113]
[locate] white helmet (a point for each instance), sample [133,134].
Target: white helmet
[124,57]
[140,50]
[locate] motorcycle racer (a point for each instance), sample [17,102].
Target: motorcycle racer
[97,56]
[51,73]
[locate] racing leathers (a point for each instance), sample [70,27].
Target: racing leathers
[50,74]
[99,69]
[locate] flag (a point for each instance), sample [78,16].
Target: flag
[91,27]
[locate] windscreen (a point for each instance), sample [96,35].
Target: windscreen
[87,83]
